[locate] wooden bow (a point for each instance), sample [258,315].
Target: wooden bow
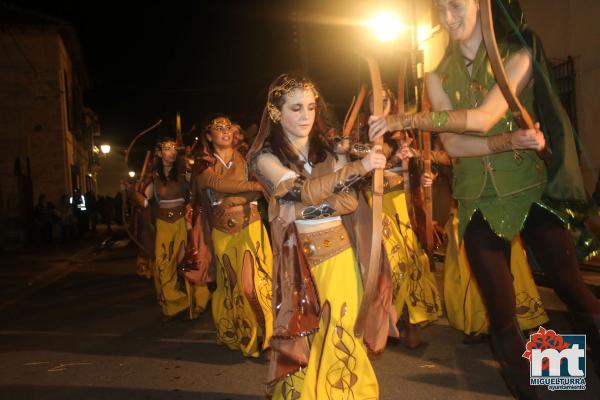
[371,284]
[427,191]
[353,111]
[146,160]
[407,141]
[519,112]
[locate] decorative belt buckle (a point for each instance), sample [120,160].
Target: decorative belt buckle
[309,248]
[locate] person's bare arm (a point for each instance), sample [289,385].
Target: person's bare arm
[460,145]
[456,145]
[479,119]
[494,106]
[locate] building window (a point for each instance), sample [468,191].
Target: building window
[564,76]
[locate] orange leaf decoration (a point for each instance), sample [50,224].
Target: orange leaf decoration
[545,339]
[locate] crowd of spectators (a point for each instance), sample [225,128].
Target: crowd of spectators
[75,216]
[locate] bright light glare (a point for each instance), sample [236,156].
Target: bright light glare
[131,174]
[423,33]
[105,148]
[386,26]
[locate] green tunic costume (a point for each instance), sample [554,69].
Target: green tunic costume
[505,186]
[501,186]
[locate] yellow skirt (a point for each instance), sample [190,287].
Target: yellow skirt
[415,287]
[241,305]
[462,296]
[175,295]
[338,367]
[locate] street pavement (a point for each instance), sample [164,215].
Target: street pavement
[76,322]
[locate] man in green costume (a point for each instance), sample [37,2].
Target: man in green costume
[502,186]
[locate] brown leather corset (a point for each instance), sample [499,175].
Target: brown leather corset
[234,219]
[322,245]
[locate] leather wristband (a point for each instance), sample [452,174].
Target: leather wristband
[442,121]
[360,150]
[500,143]
[398,122]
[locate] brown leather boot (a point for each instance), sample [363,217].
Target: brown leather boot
[508,346]
[412,338]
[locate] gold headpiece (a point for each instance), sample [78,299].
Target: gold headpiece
[289,85]
[168,144]
[274,112]
[220,123]
[286,88]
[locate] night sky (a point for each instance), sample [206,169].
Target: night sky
[149,60]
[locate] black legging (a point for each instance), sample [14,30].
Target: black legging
[552,247]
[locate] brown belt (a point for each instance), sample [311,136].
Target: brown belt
[170,214]
[235,218]
[322,245]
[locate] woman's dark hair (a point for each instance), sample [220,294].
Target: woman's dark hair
[271,135]
[204,151]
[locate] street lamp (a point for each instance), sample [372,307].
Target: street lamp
[105,149]
[386,26]
[132,174]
